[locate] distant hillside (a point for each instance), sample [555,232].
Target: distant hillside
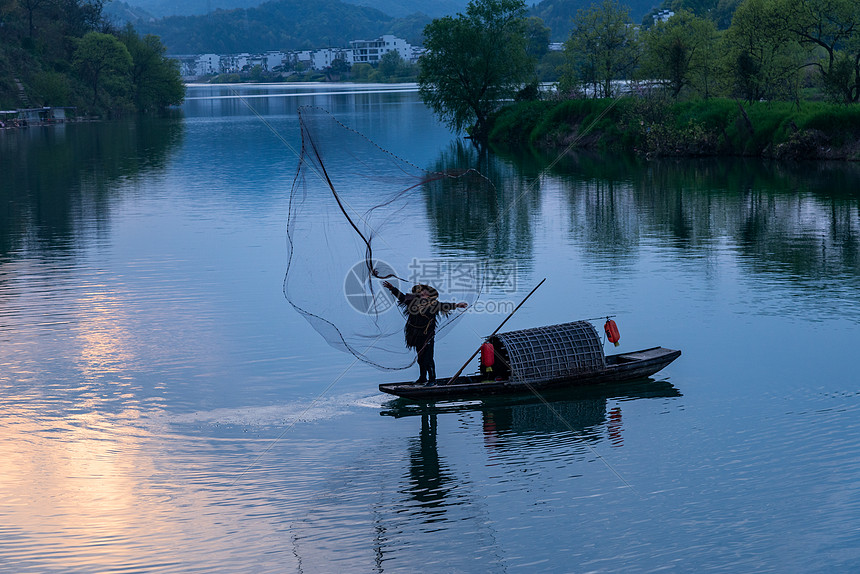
[300,25]
[558,15]
[120,12]
[165,8]
[401,8]
[396,8]
[279,25]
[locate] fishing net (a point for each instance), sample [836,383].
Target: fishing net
[358,216]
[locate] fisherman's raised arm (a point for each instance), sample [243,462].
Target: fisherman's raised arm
[401,298]
[446,308]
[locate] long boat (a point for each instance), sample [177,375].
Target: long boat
[551,357]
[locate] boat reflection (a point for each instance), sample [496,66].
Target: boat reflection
[585,415]
[563,409]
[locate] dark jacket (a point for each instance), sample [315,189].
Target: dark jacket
[420,316]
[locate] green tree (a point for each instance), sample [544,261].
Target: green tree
[361,71]
[763,60]
[102,60]
[78,17]
[680,53]
[155,79]
[256,73]
[336,70]
[32,7]
[723,12]
[537,36]
[51,88]
[550,66]
[842,81]
[720,12]
[831,30]
[339,66]
[602,49]
[473,62]
[393,68]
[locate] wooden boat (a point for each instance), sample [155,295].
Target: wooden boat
[583,401]
[552,357]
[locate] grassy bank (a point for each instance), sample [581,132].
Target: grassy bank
[655,127]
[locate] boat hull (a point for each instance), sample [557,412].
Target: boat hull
[619,368]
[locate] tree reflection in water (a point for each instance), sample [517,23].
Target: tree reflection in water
[787,218]
[57,180]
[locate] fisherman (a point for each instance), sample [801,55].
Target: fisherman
[421,308]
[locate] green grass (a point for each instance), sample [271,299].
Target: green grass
[548,123]
[712,114]
[624,122]
[517,122]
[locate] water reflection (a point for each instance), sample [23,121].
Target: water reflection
[786,218]
[552,411]
[430,481]
[797,220]
[513,426]
[492,218]
[59,181]
[283,99]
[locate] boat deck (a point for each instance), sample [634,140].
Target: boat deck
[643,355]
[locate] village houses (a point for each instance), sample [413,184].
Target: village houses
[367,51]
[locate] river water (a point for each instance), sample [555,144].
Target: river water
[164,409]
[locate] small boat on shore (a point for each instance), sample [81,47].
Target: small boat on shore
[552,357]
[32,117]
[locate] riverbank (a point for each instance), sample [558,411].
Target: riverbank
[658,128]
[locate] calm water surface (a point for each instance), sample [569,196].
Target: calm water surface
[162,408]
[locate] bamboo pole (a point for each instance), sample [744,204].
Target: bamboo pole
[469,360]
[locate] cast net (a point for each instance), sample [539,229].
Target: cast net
[358,216]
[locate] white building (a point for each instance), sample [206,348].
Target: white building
[372,51]
[304,57]
[322,59]
[274,59]
[258,61]
[207,64]
[663,16]
[233,63]
[361,51]
[417,52]
[187,65]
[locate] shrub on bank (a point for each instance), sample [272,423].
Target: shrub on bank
[660,127]
[584,123]
[518,123]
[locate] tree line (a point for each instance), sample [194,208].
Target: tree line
[772,50]
[66,53]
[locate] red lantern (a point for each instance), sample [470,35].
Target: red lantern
[488,356]
[612,331]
